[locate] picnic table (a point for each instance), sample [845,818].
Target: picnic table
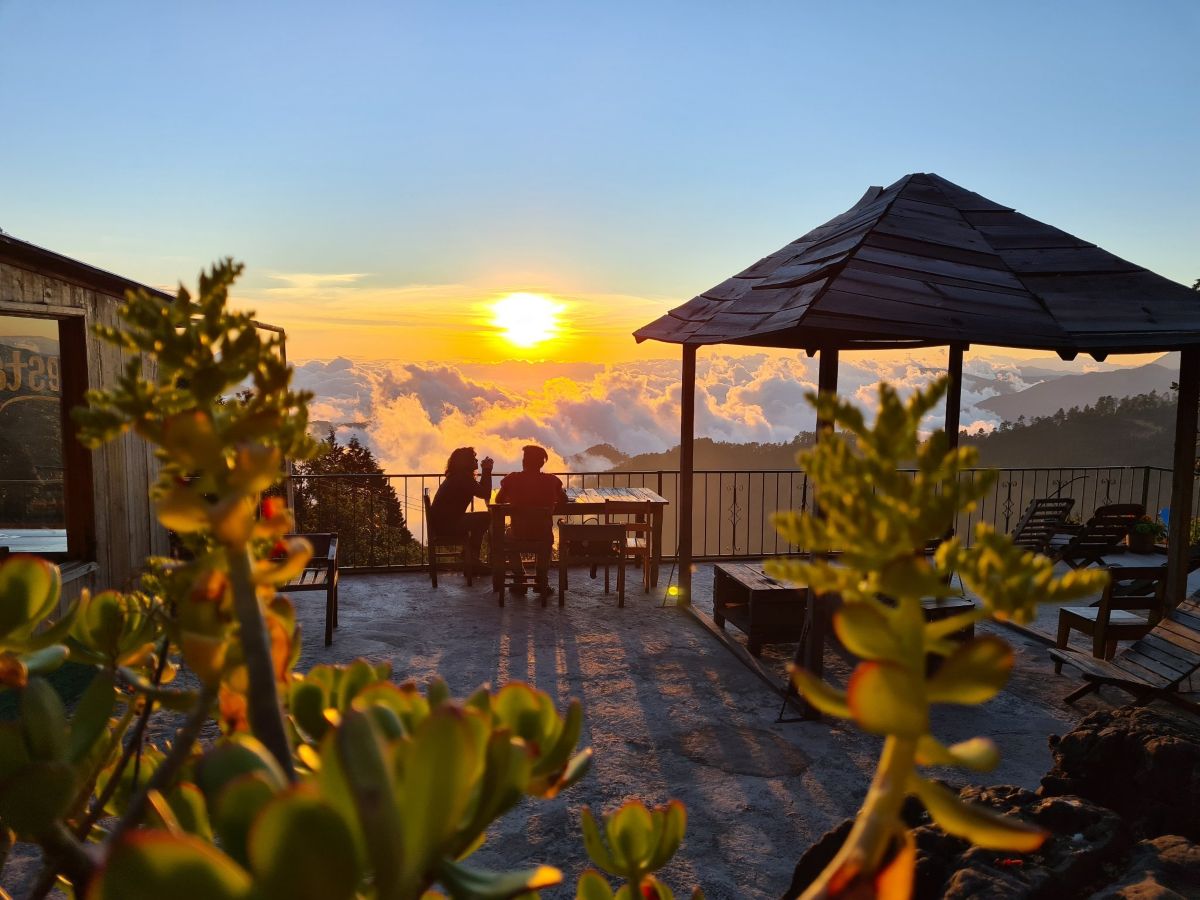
[619,501]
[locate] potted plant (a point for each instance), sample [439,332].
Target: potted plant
[1144,534]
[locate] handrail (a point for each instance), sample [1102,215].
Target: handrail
[732,506]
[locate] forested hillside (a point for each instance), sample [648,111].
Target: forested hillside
[1132,431]
[710,454]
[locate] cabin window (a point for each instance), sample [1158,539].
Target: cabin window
[33,465]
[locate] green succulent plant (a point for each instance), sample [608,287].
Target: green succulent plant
[882,519]
[634,843]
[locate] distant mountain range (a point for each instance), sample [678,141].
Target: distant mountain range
[1068,391]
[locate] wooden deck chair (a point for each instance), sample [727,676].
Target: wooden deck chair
[1043,518]
[1153,667]
[1100,534]
[321,574]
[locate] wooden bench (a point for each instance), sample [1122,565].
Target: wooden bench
[766,610]
[321,574]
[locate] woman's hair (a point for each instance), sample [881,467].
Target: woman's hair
[461,460]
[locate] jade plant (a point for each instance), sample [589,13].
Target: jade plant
[335,783]
[884,521]
[636,842]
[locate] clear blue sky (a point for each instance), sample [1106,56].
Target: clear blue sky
[645,149]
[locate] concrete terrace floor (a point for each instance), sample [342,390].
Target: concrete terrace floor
[671,713]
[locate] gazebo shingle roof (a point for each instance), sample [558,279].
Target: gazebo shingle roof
[926,262]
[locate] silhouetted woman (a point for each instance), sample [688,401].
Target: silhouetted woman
[448,512]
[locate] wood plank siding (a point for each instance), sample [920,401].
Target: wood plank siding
[924,262]
[110,485]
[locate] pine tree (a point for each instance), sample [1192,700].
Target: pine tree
[362,509]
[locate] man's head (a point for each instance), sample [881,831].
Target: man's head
[533,458]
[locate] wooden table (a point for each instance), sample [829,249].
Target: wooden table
[619,501]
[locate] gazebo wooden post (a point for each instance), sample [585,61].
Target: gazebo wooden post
[827,375]
[954,367]
[687,436]
[1183,478]
[817,614]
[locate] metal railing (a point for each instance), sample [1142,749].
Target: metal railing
[732,509]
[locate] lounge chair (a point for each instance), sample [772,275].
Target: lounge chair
[1153,667]
[1042,519]
[1100,534]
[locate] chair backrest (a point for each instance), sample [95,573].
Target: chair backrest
[524,523]
[320,543]
[590,543]
[1174,642]
[1136,587]
[1107,527]
[1040,521]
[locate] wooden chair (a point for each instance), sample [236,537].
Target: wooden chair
[594,545]
[1113,619]
[507,550]
[638,537]
[321,574]
[454,548]
[1100,534]
[1151,668]
[1043,518]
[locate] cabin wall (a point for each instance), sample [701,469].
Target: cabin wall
[123,528]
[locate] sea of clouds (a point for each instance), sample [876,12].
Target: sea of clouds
[413,414]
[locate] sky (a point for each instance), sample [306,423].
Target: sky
[388,171]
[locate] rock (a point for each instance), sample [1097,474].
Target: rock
[1164,868]
[1142,762]
[1073,861]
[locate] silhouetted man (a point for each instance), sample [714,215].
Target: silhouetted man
[533,488]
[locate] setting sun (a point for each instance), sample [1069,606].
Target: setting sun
[526,319]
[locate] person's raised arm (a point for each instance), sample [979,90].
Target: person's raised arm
[483,487]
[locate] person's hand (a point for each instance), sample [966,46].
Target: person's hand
[486,464]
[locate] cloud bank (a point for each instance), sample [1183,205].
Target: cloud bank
[412,415]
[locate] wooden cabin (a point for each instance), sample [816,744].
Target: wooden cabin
[89,511]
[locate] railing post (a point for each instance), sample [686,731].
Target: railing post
[1145,487]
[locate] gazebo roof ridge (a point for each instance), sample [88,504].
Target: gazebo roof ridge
[927,262]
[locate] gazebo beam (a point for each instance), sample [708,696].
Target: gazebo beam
[1183,478]
[687,440]
[954,367]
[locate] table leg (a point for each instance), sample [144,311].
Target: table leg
[656,529]
[812,650]
[497,564]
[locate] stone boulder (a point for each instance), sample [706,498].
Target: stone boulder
[1142,762]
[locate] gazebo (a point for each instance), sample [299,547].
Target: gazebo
[927,263]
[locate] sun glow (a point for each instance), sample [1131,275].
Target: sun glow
[526,319]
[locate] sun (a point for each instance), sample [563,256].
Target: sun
[526,319]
